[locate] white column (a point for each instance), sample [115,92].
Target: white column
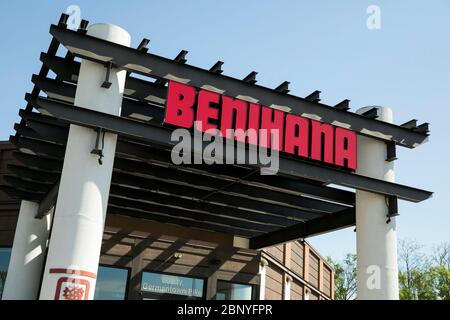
[262,278]
[376,240]
[28,254]
[307,292]
[287,287]
[75,244]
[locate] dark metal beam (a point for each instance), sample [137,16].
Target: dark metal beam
[48,202]
[251,77]
[57,131]
[314,97]
[33,174]
[180,201]
[306,229]
[130,108]
[153,208]
[39,163]
[192,223]
[371,113]
[343,105]
[217,67]
[15,193]
[391,152]
[152,184]
[161,136]
[38,147]
[128,149]
[135,88]
[27,185]
[95,49]
[224,187]
[143,45]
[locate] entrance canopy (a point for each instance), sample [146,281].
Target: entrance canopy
[235,199]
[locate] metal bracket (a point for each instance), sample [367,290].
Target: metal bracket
[372,113]
[83,26]
[97,150]
[217,67]
[283,88]
[107,84]
[143,46]
[391,153]
[343,105]
[251,77]
[392,203]
[314,97]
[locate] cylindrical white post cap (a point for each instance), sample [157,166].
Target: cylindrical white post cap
[110,33]
[384,113]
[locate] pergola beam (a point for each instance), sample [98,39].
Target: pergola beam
[335,221]
[56,132]
[148,64]
[161,136]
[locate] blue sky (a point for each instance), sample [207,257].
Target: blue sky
[316,45]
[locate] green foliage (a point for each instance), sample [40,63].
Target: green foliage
[424,277]
[441,281]
[345,277]
[421,277]
[418,287]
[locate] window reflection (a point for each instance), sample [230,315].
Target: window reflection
[111,283]
[233,291]
[5,254]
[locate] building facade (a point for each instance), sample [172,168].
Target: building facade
[143,259]
[99,173]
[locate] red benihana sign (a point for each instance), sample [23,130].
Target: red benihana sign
[296,135]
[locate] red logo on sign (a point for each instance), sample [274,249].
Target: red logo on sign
[297,135]
[72,289]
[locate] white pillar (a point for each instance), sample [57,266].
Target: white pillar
[75,244]
[376,240]
[287,287]
[262,278]
[27,255]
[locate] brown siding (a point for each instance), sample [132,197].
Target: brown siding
[274,283]
[327,280]
[276,252]
[314,270]
[313,296]
[8,221]
[296,291]
[297,258]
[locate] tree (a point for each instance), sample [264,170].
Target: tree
[421,277]
[440,271]
[414,280]
[344,277]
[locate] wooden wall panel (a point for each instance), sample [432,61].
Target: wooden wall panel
[297,258]
[313,269]
[327,280]
[276,252]
[313,296]
[274,283]
[8,221]
[296,291]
